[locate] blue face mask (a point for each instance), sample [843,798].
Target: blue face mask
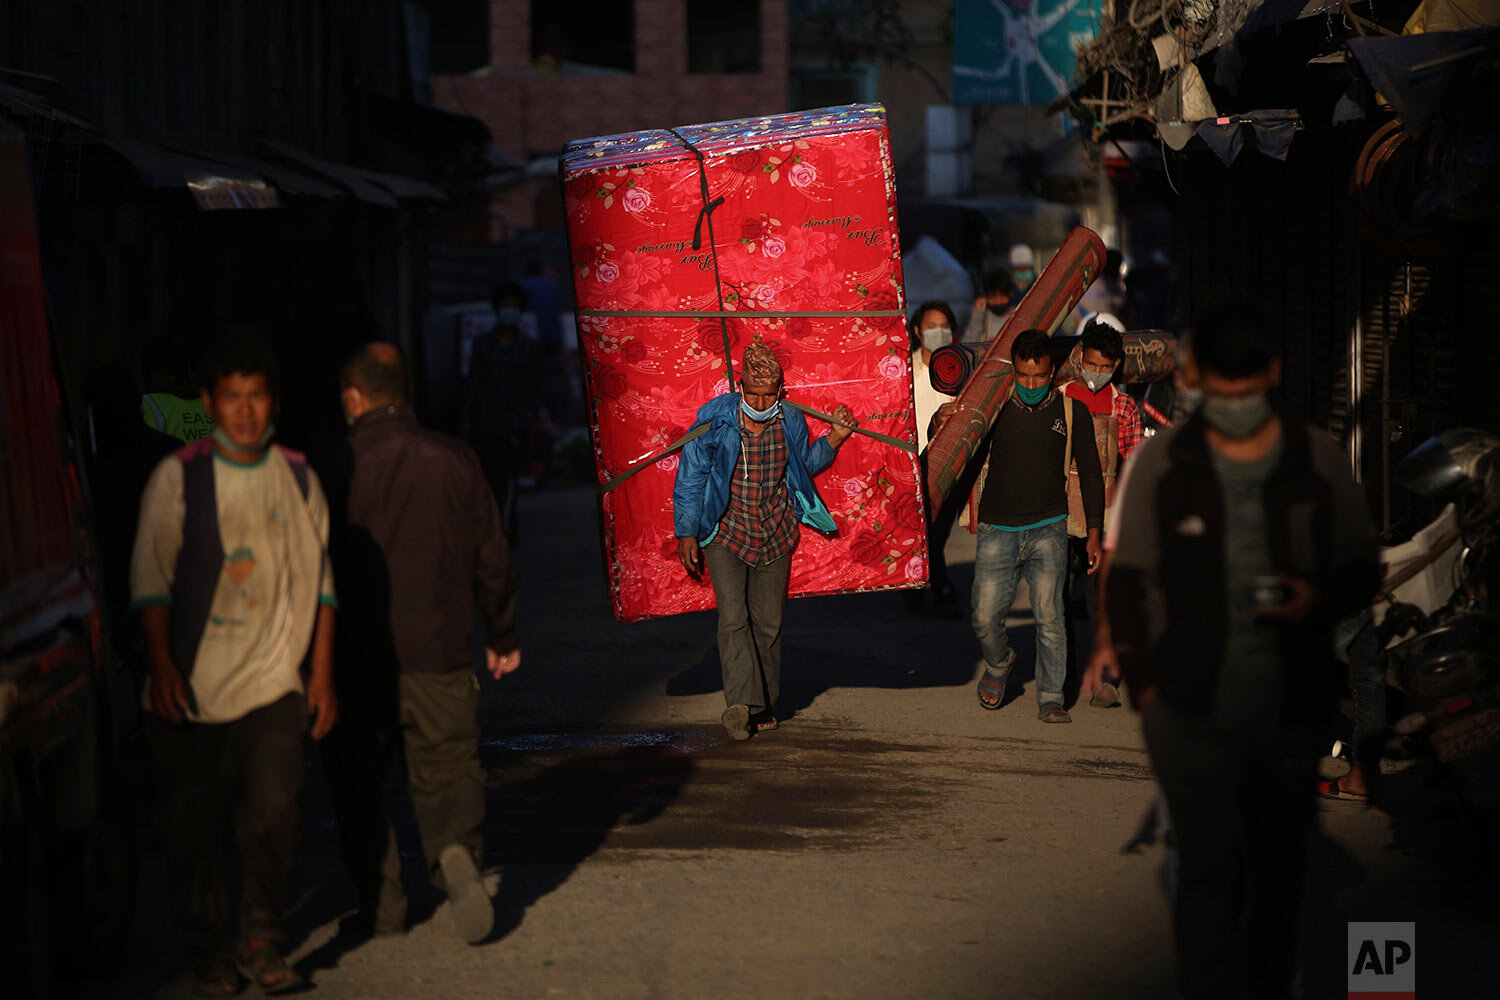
[759,416]
[1031,397]
[507,316]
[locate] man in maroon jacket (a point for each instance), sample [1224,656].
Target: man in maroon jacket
[423,550]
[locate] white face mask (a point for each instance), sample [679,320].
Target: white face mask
[936,336]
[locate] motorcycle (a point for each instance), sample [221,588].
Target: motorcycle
[1450,667]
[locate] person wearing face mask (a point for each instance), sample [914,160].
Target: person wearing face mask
[991,308]
[1022,268]
[1118,431]
[231,575]
[1023,509]
[1242,539]
[1101,678]
[931,327]
[502,404]
[742,491]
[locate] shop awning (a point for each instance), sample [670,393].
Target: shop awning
[403,187]
[350,178]
[287,180]
[213,186]
[29,105]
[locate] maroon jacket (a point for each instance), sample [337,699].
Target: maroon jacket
[422,547]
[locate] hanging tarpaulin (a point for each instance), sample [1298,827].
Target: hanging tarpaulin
[1019,51]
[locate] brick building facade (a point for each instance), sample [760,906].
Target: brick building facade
[534,104]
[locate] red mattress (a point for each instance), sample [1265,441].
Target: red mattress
[806,224]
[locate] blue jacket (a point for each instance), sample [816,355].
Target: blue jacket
[701,494]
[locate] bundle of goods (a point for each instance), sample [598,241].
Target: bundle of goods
[686,244]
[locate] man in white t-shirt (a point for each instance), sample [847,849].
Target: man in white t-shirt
[231,576]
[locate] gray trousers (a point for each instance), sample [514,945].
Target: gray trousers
[750,600]
[209,776]
[438,723]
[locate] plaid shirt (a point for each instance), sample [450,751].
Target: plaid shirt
[1127,414]
[759,526]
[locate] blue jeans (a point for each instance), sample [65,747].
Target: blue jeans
[1041,554]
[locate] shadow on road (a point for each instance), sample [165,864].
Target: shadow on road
[541,826]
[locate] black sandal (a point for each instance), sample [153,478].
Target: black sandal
[993,684]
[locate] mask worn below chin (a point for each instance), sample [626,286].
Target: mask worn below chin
[937,336]
[507,316]
[760,416]
[1237,418]
[229,444]
[1097,380]
[1031,397]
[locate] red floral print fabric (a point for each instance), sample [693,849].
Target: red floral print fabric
[807,224]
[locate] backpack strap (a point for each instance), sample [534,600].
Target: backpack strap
[1067,448]
[298,461]
[201,557]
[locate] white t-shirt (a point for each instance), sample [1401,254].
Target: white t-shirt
[275,574]
[927,398]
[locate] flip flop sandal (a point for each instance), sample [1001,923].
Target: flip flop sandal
[264,962]
[1333,790]
[1053,712]
[764,721]
[991,683]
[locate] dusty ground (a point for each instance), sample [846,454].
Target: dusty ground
[892,840]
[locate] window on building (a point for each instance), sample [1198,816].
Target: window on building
[583,36]
[723,36]
[459,35]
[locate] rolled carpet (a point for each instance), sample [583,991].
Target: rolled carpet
[1049,299]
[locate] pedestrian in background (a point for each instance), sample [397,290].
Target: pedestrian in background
[501,409]
[1117,431]
[929,328]
[1242,539]
[232,578]
[424,555]
[1022,261]
[734,512]
[991,308]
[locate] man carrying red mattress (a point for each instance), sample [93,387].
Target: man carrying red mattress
[742,490]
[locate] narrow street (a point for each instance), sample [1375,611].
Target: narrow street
[891,840]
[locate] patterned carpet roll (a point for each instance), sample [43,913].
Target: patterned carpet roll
[1049,299]
[951,366]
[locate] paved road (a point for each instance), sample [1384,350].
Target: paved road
[892,840]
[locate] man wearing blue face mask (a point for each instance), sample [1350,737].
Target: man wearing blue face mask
[742,491]
[1242,539]
[1023,513]
[503,399]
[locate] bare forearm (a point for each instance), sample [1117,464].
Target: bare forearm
[322,650]
[156,626]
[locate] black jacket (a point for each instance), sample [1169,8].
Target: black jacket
[1167,598]
[421,548]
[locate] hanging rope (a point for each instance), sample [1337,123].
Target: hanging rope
[706,215]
